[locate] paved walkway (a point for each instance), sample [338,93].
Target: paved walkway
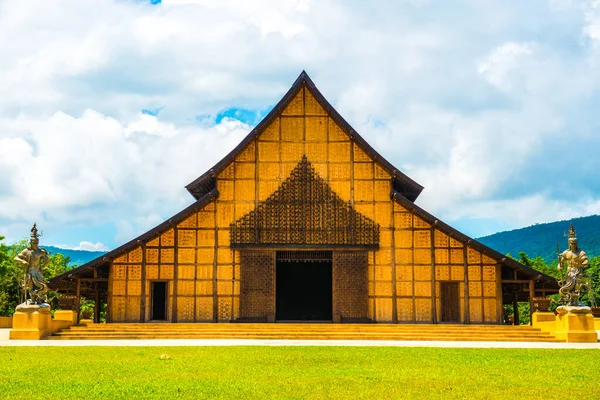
[240,342]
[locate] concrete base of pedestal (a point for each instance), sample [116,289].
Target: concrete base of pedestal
[31,322]
[575,324]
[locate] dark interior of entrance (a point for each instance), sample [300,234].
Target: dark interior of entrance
[159,301]
[304,290]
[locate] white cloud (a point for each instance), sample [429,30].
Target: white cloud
[498,67]
[483,104]
[67,170]
[89,246]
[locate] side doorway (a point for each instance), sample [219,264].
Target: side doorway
[158,301]
[450,302]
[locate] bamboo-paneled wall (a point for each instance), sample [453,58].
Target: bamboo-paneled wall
[404,273]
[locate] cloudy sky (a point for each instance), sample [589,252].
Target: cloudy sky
[109,108]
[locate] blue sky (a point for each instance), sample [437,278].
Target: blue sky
[108,109]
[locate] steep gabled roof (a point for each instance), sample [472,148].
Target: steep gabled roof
[466,240]
[151,234]
[404,191]
[402,183]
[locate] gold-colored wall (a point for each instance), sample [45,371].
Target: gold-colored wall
[195,257]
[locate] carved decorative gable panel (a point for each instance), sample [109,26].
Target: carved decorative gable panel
[304,211]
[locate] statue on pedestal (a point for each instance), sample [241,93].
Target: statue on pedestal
[34,260]
[572,282]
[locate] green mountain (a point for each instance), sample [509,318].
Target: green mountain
[541,239]
[78,257]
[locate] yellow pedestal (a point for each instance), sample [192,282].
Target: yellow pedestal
[31,323]
[66,315]
[575,324]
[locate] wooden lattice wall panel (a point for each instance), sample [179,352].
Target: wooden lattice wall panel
[125,286]
[185,309]
[384,311]
[483,290]
[118,309]
[405,308]
[204,308]
[304,211]
[423,310]
[350,289]
[257,291]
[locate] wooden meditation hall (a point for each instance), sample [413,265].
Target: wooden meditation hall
[304,221]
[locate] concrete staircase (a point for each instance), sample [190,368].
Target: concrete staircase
[305,331]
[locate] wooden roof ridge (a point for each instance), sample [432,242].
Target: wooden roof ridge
[145,237]
[403,183]
[461,237]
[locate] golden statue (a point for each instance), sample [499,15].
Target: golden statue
[575,261]
[34,260]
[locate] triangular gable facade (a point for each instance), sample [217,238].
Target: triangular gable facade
[304,211]
[304,179]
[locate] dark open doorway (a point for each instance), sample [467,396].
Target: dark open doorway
[304,290]
[159,301]
[450,301]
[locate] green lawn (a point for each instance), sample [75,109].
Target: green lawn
[297,373]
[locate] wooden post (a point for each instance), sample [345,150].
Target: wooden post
[394,275]
[175,271]
[109,293]
[78,298]
[515,308]
[215,271]
[144,283]
[499,295]
[531,296]
[97,307]
[433,297]
[467,318]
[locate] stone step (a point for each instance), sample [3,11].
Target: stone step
[198,329]
[288,333]
[276,327]
[271,336]
[304,331]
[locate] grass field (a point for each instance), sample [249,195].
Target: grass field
[297,373]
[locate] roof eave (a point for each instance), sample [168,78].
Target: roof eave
[149,235]
[461,237]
